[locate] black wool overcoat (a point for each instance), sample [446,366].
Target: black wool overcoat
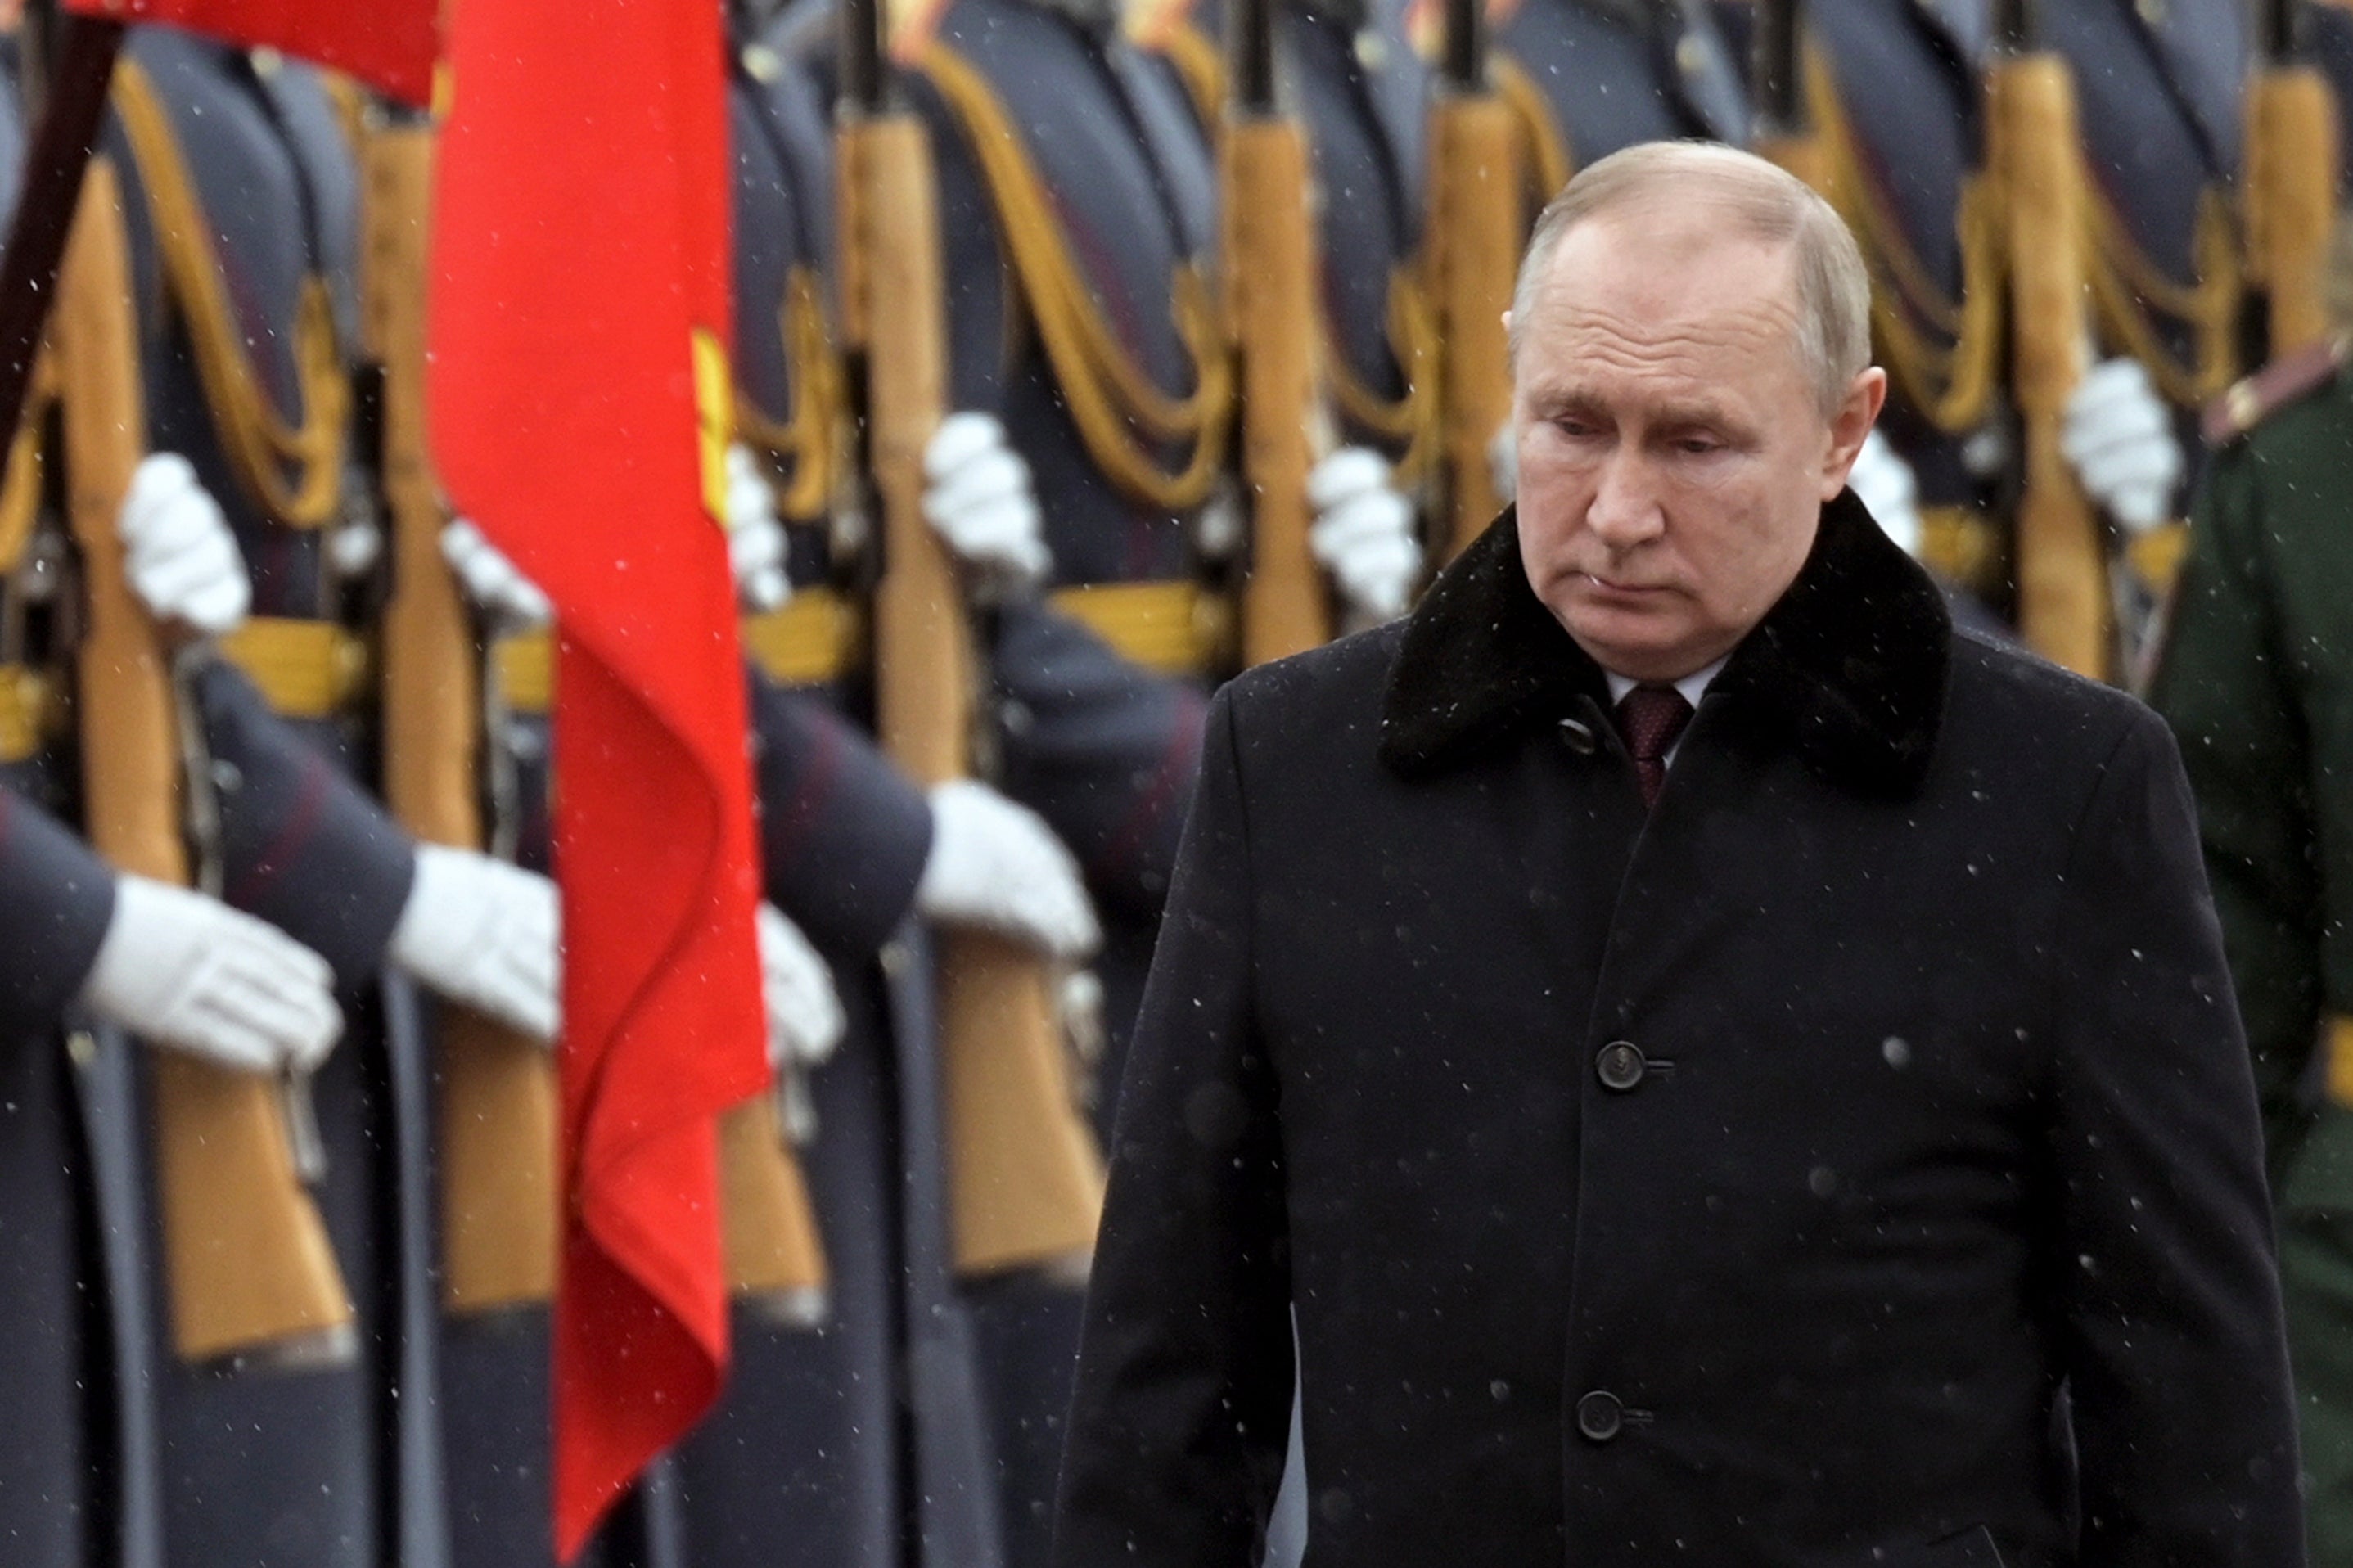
[1733,1184]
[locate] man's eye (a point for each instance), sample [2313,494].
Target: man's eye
[1698,446]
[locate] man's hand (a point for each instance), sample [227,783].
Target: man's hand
[755,535]
[178,554]
[2118,437]
[997,866]
[491,580]
[1363,534]
[187,972]
[1888,489]
[979,497]
[485,933]
[805,1022]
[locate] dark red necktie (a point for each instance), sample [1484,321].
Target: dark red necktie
[1652,718]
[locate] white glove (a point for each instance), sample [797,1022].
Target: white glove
[485,933]
[805,1017]
[755,536]
[354,545]
[187,972]
[179,555]
[491,580]
[997,866]
[979,497]
[1888,489]
[2119,436]
[1362,533]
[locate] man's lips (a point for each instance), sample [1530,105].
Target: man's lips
[1626,590]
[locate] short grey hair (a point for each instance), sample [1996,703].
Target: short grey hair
[1761,201]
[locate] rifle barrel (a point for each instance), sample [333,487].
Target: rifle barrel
[2279,30]
[1773,68]
[865,83]
[1466,46]
[1251,28]
[2013,25]
[51,189]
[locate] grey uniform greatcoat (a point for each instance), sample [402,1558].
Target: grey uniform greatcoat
[1732,1186]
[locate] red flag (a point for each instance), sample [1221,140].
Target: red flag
[389,44]
[579,417]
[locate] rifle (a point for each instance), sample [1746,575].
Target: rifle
[1784,131]
[2291,188]
[2033,151]
[1473,261]
[497,1111]
[1269,286]
[498,1099]
[1026,1179]
[247,1259]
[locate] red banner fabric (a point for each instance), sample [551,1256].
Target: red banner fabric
[390,45]
[578,401]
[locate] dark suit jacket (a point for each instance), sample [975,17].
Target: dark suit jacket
[1732,1186]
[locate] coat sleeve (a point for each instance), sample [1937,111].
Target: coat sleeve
[2161,1251]
[843,833]
[301,846]
[1105,750]
[2226,688]
[56,899]
[1182,1400]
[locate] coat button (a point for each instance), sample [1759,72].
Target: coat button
[1578,737]
[1599,1416]
[1621,1066]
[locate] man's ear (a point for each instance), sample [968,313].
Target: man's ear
[1850,426]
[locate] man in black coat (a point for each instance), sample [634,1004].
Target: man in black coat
[1731,1179]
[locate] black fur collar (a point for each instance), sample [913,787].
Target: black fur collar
[1848,667]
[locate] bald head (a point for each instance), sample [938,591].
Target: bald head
[1739,196]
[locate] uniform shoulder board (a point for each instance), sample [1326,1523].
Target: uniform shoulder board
[2283,381]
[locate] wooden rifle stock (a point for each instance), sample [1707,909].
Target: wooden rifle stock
[497,1111]
[2033,151]
[1473,258]
[1798,152]
[2291,196]
[1270,290]
[1026,1178]
[248,1262]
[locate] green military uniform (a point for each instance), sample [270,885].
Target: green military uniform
[2257,681]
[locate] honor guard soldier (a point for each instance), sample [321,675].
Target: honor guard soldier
[1076,203]
[2159,89]
[851,848]
[1589,76]
[1893,92]
[1361,94]
[242,202]
[803,1459]
[97,952]
[2252,677]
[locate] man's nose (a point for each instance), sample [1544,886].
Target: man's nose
[1625,510]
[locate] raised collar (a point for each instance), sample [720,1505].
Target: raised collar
[1848,669]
